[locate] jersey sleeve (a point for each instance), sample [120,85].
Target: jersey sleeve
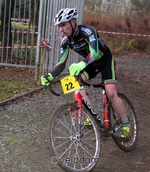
[96,46]
[60,66]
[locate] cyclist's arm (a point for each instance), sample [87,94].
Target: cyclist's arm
[96,47]
[60,66]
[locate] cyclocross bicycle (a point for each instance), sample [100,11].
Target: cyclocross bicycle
[75,133]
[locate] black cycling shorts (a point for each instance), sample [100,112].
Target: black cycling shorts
[106,65]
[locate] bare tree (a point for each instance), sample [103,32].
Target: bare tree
[96,6]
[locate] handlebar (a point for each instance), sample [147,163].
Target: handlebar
[51,89]
[100,85]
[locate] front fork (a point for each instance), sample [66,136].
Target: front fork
[78,99]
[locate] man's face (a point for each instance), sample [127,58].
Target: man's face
[65,28]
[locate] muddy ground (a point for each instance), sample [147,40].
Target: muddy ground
[23,127]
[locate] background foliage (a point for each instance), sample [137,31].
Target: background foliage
[132,16]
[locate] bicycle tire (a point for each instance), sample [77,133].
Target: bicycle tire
[115,121]
[69,153]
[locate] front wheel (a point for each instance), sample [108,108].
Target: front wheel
[129,143]
[75,146]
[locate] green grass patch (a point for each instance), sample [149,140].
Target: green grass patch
[18,26]
[10,88]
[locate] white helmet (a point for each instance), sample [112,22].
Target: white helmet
[65,15]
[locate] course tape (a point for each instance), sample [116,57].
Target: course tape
[24,32]
[20,19]
[31,47]
[19,46]
[128,34]
[114,33]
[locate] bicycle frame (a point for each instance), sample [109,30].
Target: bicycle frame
[78,97]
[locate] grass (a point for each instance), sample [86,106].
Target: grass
[11,88]
[15,81]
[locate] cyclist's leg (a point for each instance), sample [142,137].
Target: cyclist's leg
[119,106]
[110,81]
[89,73]
[85,95]
[111,90]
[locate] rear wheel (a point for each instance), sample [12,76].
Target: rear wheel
[75,147]
[129,143]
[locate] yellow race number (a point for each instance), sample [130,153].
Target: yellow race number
[69,84]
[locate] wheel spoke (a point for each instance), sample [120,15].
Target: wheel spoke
[88,132]
[62,144]
[86,151]
[60,131]
[63,124]
[65,151]
[89,144]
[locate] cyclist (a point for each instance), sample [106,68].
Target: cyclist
[97,57]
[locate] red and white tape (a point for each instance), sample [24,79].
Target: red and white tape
[120,33]
[114,33]
[30,47]
[19,46]
[20,19]
[24,32]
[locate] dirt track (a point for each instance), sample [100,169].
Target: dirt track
[23,125]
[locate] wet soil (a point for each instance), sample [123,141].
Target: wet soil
[23,126]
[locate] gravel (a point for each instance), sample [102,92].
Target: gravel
[23,126]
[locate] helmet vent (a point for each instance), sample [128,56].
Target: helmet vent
[70,12]
[60,18]
[68,17]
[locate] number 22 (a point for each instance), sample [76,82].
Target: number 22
[69,86]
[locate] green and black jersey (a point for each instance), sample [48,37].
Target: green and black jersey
[87,43]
